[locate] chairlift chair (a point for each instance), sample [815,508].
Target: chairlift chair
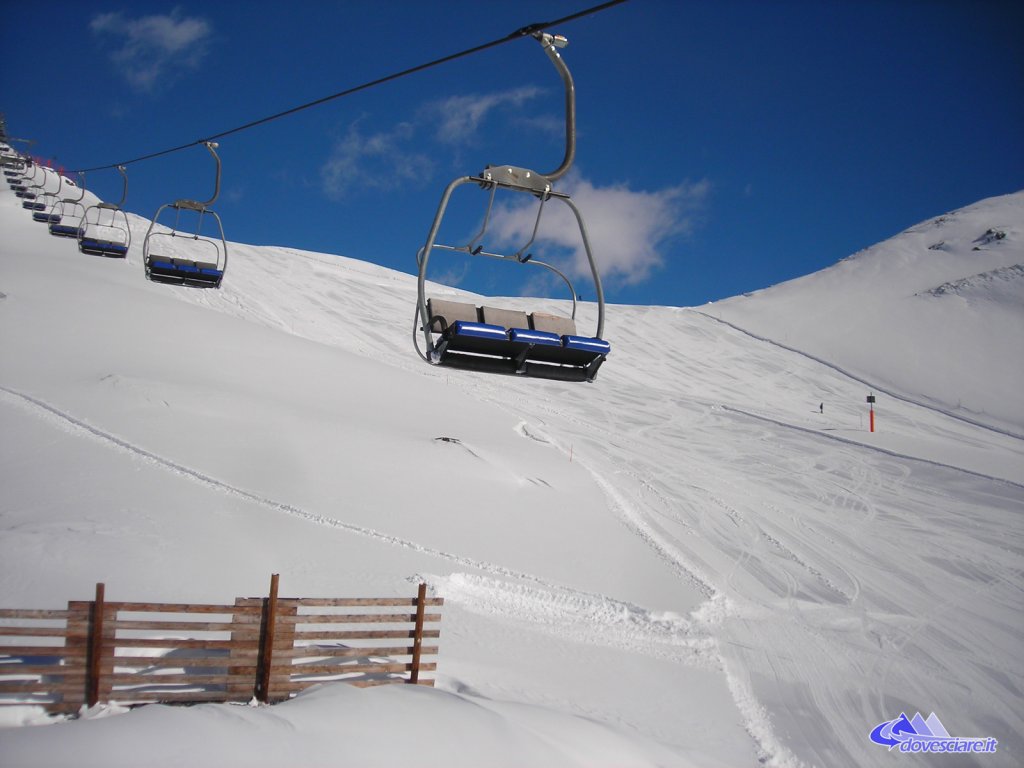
[17,172]
[184,258]
[104,229]
[69,213]
[494,340]
[11,161]
[25,187]
[13,165]
[31,196]
[16,179]
[45,210]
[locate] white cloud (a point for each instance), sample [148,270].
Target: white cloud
[626,228]
[458,117]
[393,157]
[153,48]
[375,161]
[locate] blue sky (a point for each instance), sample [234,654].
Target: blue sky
[723,146]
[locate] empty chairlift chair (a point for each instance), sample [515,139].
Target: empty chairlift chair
[34,197]
[172,255]
[12,163]
[68,214]
[495,340]
[15,164]
[104,229]
[45,210]
[28,185]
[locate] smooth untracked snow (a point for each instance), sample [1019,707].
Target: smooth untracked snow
[686,563]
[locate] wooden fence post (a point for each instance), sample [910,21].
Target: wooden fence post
[77,644]
[266,657]
[243,658]
[95,653]
[417,643]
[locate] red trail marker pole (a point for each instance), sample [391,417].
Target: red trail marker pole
[871,412]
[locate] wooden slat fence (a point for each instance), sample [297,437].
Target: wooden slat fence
[269,648]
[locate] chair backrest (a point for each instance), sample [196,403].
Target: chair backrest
[563,326]
[444,313]
[506,318]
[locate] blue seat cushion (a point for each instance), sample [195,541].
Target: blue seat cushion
[528,336]
[101,245]
[161,264]
[478,330]
[585,344]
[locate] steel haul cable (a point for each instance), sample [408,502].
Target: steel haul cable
[519,33]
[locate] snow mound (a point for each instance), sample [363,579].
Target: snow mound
[1004,285]
[414,726]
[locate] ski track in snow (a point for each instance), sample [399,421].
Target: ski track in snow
[830,599]
[569,613]
[581,618]
[871,385]
[886,451]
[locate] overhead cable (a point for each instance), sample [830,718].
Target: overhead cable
[519,33]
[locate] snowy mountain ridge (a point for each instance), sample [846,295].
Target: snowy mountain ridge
[877,302]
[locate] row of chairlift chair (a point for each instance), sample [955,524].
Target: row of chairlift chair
[170,253]
[454,334]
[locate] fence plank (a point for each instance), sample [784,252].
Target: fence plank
[349,602]
[56,651]
[172,642]
[173,662]
[170,697]
[353,634]
[187,608]
[32,632]
[14,670]
[360,618]
[335,670]
[31,613]
[386,681]
[335,651]
[132,625]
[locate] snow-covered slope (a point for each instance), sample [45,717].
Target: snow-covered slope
[933,315]
[685,563]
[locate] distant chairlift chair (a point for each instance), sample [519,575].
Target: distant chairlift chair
[33,195]
[28,187]
[69,213]
[45,210]
[104,230]
[492,340]
[13,165]
[182,258]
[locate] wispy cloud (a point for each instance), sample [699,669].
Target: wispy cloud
[388,158]
[458,118]
[626,228]
[150,49]
[381,161]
